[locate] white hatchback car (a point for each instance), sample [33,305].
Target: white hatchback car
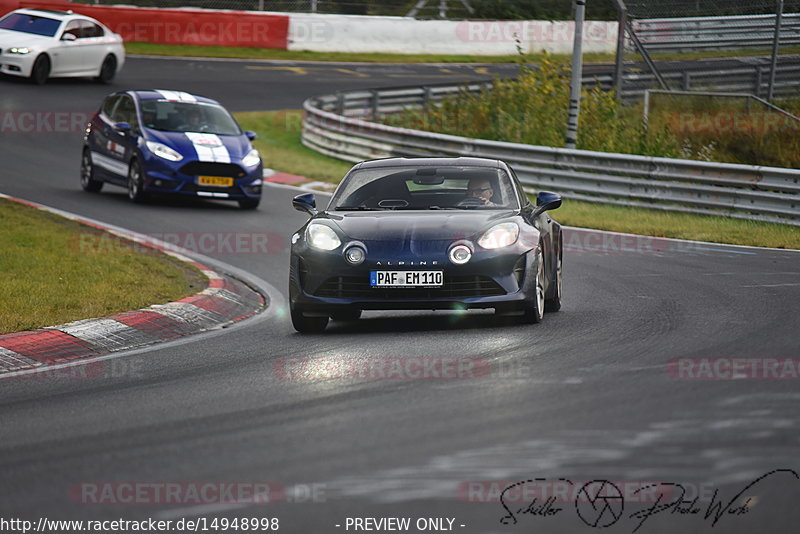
[40,44]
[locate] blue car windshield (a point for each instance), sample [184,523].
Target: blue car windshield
[171,116]
[426,188]
[23,22]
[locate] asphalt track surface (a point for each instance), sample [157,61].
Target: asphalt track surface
[585,395]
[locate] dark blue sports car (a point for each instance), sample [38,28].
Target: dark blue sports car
[170,142]
[435,233]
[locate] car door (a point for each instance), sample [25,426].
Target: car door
[67,56]
[92,46]
[121,144]
[101,137]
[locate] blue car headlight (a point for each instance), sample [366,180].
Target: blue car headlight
[251,159]
[163,151]
[499,236]
[322,237]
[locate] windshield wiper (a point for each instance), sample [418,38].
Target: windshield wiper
[355,208]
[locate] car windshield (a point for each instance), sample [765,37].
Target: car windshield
[425,188]
[171,116]
[23,22]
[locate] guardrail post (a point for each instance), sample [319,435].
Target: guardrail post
[375,101]
[426,96]
[759,80]
[339,103]
[687,81]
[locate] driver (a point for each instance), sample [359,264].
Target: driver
[194,121]
[481,189]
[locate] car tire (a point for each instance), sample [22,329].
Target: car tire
[553,304]
[41,70]
[108,70]
[88,183]
[349,315]
[136,182]
[308,325]
[249,203]
[534,313]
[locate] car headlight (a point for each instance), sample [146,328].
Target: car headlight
[251,159]
[163,151]
[322,237]
[499,236]
[20,50]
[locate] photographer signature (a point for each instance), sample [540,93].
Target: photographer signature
[600,503]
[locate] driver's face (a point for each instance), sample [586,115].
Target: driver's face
[481,189]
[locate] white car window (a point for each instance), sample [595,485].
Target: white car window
[90,29]
[73,28]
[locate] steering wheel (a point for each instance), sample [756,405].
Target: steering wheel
[471,201]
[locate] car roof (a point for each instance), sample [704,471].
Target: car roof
[53,14]
[170,94]
[426,162]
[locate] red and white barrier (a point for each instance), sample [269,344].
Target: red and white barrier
[336,33]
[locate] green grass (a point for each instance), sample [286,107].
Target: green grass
[290,55]
[279,144]
[53,270]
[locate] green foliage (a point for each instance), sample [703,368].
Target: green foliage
[532,109]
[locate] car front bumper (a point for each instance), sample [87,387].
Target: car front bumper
[323,283]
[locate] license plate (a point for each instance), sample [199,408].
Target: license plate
[219,181]
[406,278]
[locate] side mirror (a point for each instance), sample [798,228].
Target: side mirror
[122,127]
[546,201]
[306,203]
[251,135]
[69,37]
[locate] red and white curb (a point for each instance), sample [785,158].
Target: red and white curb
[226,300]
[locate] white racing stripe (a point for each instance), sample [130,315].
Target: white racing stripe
[180,96]
[209,147]
[110,164]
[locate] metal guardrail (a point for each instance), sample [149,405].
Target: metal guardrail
[334,125]
[716,33]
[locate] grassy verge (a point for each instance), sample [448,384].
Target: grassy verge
[54,270]
[293,55]
[279,144]
[290,55]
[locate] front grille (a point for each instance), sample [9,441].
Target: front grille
[206,168]
[357,287]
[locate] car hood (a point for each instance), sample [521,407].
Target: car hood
[418,225]
[205,147]
[9,38]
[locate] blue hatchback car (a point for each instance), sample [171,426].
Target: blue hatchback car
[170,142]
